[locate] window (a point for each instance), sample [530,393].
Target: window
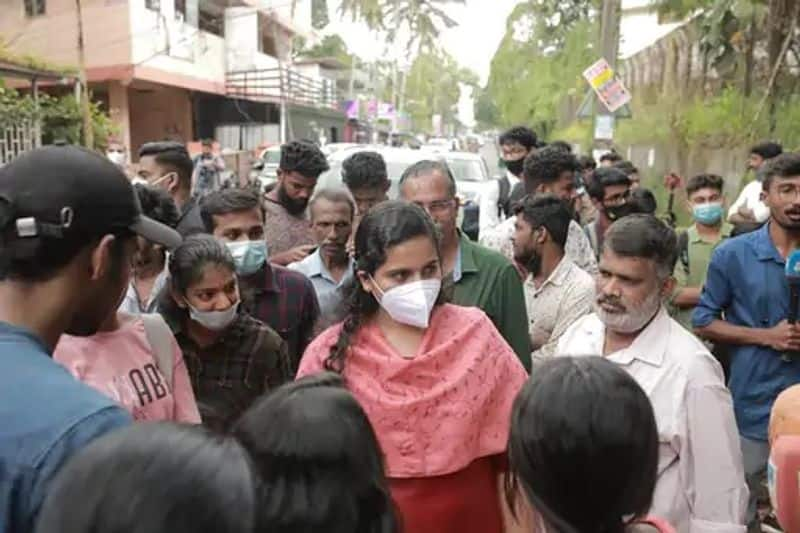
[180,9]
[34,8]
[154,5]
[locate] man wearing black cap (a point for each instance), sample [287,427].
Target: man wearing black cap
[167,165]
[68,218]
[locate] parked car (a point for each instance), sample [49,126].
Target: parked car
[470,172]
[265,168]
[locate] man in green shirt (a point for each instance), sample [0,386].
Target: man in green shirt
[695,245]
[476,276]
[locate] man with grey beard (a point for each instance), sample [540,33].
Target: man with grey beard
[701,485]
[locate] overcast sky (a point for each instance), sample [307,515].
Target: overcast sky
[473,42]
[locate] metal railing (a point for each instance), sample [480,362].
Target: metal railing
[281,84]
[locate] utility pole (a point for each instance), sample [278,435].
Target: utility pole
[86,111]
[609,48]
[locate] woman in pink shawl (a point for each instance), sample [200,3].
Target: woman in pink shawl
[437,381]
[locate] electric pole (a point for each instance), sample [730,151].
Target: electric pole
[86,111]
[609,48]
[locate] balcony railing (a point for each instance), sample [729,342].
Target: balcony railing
[281,84]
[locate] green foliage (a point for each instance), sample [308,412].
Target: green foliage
[486,113]
[531,74]
[59,116]
[319,14]
[432,88]
[422,19]
[330,46]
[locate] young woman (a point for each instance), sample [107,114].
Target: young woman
[584,449]
[154,478]
[134,358]
[321,467]
[437,381]
[232,357]
[149,273]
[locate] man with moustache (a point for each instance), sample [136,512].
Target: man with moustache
[700,486]
[557,292]
[475,276]
[287,231]
[746,285]
[330,267]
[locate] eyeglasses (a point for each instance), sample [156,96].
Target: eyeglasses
[788,192]
[439,206]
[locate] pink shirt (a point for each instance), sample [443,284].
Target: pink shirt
[436,412]
[120,364]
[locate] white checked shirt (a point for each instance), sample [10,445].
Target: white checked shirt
[578,248]
[566,295]
[701,486]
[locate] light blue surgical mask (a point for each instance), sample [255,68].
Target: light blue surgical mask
[214,320]
[708,214]
[249,256]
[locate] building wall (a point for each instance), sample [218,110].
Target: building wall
[54,36]
[160,114]
[164,42]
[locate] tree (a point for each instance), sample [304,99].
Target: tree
[421,19]
[432,88]
[539,61]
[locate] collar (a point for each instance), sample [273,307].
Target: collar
[316,267]
[512,179]
[262,281]
[762,244]
[694,235]
[557,277]
[187,207]
[650,345]
[465,260]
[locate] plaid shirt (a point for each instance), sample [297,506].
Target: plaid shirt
[284,300]
[248,360]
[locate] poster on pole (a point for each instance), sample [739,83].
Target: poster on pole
[609,89]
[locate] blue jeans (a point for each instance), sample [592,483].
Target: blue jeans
[755,454]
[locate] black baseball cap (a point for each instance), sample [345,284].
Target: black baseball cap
[67,192]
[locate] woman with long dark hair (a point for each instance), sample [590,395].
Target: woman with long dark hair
[321,466]
[154,478]
[584,449]
[436,380]
[232,358]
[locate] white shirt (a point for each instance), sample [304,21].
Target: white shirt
[701,486]
[487,203]
[578,248]
[566,295]
[750,197]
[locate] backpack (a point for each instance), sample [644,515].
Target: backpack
[504,191]
[160,338]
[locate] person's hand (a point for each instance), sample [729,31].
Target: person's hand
[783,337]
[746,212]
[351,248]
[294,255]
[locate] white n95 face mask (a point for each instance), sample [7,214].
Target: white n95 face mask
[214,320]
[410,304]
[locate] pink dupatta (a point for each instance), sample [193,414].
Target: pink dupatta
[437,412]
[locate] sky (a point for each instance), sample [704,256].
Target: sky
[472,43]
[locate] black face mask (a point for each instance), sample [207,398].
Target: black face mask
[618,211]
[515,166]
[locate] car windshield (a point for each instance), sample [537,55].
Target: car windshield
[467,169]
[272,157]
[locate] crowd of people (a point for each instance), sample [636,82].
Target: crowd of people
[178,356]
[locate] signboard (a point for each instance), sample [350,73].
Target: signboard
[604,127]
[609,89]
